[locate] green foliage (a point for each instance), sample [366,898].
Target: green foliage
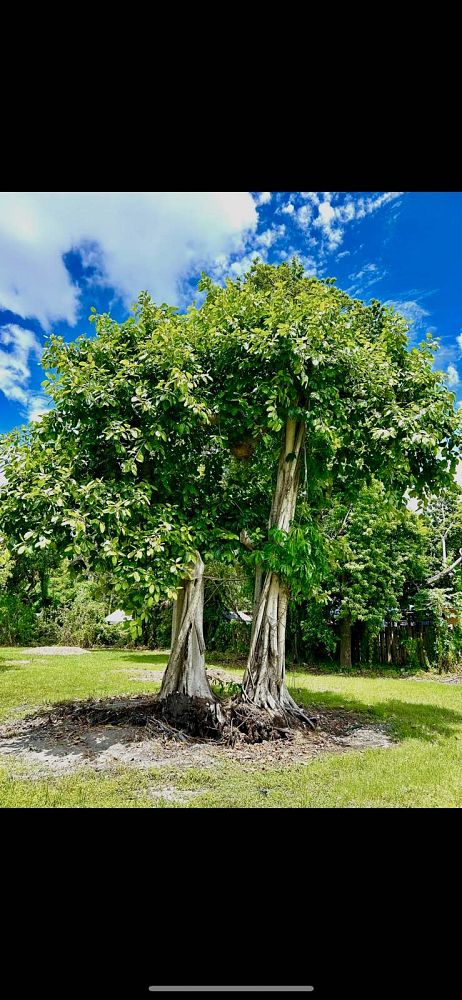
[443,516]
[280,345]
[231,638]
[6,565]
[296,556]
[316,630]
[375,545]
[157,628]
[443,604]
[79,623]
[17,621]
[411,646]
[118,473]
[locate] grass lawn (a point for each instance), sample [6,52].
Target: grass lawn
[423,769]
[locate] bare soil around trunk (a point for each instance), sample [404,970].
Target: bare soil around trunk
[103,734]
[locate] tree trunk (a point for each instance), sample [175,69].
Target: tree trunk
[44,588]
[264,679]
[345,642]
[185,672]
[256,597]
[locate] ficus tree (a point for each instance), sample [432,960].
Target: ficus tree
[294,360]
[122,473]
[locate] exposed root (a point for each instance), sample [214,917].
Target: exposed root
[249,723]
[198,717]
[180,717]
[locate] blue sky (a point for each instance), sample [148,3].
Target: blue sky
[61,253]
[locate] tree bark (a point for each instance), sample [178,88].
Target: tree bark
[256,597]
[185,672]
[44,588]
[264,678]
[345,642]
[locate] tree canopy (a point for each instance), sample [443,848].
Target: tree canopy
[173,435]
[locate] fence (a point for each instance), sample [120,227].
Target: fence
[396,644]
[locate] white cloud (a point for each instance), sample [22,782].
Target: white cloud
[304,215]
[365,206]
[326,222]
[138,240]
[411,310]
[37,405]
[309,265]
[363,279]
[452,375]
[326,214]
[288,209]
[14,362]
[366,271]
[240,267]
[270,236]
[310,196]
[264,198]
[331,220]
[459,340]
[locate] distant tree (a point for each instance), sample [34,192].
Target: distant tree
[375,545]
[443,514]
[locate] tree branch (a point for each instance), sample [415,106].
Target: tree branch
[245,540]
[448,569]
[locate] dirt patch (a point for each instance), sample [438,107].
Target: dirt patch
[437,680]
[170,793]
[56,651]
[142,675]
[64,739]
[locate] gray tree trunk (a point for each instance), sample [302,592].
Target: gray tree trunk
[264,678]
[185,671]
[345,642]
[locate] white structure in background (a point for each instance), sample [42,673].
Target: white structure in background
[236,616]
[117,617]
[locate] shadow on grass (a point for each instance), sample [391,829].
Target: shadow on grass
[152,658]
[406,719]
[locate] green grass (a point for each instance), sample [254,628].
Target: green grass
[423,769]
